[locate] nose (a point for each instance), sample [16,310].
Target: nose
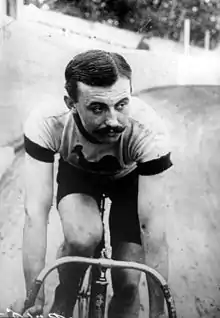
[111,118]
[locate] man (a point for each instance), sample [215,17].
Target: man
[108,142]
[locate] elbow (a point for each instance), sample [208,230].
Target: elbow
[37,214]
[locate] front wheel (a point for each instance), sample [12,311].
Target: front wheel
[92,295]
[81,309]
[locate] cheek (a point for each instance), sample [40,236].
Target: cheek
[123,118]
[93,121]
[88,119]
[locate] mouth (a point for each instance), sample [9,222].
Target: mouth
[113,134]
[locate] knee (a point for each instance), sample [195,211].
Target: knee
[83,241]
[127,291]
[81,222]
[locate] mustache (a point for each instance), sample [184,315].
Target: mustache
[109,129]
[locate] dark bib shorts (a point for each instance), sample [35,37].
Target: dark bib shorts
[123,220]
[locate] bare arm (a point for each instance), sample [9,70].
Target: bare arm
[38,201]
[153,210]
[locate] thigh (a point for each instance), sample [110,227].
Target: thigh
[124,221]
[72,180]
[80,218]
[77,203]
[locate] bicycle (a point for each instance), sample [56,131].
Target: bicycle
[91,299]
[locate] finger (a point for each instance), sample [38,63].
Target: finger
[26,314]
[36,310]
[33,311]
[11,312]
[18,305]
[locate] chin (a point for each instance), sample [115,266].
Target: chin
[110,140]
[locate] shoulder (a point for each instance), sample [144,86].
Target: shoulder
[150,140]
[44,127]
[47,113]
[48,116]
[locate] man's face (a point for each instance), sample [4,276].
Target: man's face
[104,111]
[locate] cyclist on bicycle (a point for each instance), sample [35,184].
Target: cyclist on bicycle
[109,142]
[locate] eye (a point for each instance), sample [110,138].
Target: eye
[97,109]
[121,105]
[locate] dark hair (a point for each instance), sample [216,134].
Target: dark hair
[95,68]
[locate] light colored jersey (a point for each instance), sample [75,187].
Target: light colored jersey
[144,143]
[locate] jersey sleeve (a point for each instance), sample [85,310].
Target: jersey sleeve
[38,137]
[151,145]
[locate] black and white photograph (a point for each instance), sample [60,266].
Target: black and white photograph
[110,158]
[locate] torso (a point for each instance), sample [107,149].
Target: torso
[144,139]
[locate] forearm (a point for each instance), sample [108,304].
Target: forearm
[155,245]
[154,205]
[34,248]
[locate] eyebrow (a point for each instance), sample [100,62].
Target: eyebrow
[125,99]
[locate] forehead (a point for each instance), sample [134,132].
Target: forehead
[120,89]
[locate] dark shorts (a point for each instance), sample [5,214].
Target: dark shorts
[123,221]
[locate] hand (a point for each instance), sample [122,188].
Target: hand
[34,311]
[18,308]
[37,309]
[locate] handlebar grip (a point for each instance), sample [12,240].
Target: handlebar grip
[30,300]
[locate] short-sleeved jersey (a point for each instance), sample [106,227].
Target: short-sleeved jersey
[144,144]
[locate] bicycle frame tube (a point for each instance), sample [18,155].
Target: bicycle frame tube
[106,263]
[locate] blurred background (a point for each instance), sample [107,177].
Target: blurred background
[160,18]
[173,49]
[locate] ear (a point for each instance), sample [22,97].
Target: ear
[69,102]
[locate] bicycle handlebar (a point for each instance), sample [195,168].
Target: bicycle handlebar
[108,263]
